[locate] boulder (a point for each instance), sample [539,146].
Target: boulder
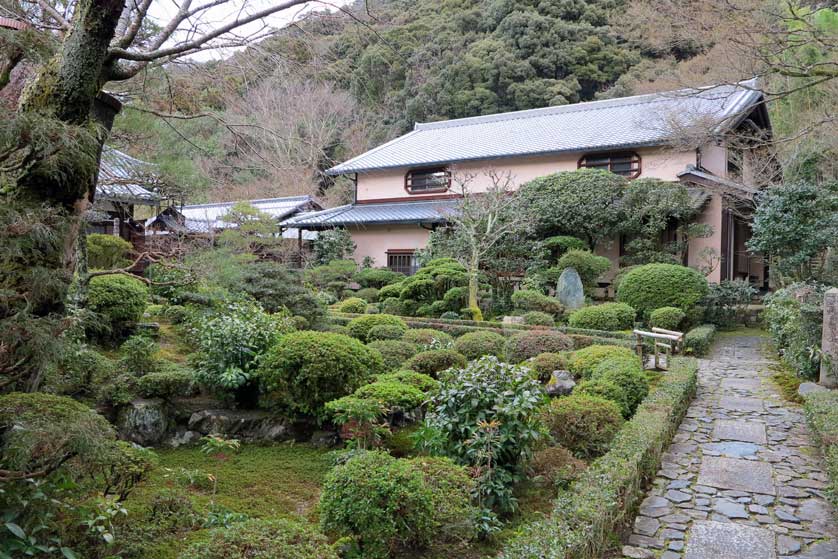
[807,388]
[513,319]
[144,422]
[183,438]
[561,384]
[569,290]
[251,425]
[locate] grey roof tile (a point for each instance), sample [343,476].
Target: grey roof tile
[429,211]
[643,120]
[123,178]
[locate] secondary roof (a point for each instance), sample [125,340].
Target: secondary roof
[430,211]
[627,122]
[123,178]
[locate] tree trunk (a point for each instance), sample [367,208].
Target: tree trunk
[473,285]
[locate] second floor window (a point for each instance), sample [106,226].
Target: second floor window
[626,164]
[427,181]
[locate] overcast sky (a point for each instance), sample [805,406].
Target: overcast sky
[163,10]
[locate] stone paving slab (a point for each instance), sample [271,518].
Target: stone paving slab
[744,431]
[742,478]
[718,540]
[736,474]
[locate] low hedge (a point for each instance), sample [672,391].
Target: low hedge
[607,316]
[821,409]
[698,340]
[600,502]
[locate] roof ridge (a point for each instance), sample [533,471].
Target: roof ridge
[219,204]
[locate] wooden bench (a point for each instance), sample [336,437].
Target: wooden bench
[670,341]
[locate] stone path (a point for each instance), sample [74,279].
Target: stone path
[741,479]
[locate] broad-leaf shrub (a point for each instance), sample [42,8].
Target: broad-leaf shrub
[138,354]
[583,362]
[556,466]
[106,252]
[794,316]
[607,316]
[821,409]
[79,370]
[433,361]
[650,287]
[360,327]
[368,294]
[531,300]
[385,332]
[488,394]
[307,369]
[120,301]
[230,342]
[477,344]
[524,345]
[726,302]
[389,505]
[583,424]
[545,363]
[538,318]
[668,318]
[560,244]
[263,539]
[394,352]
[169,281]
[428,338]
[354,305]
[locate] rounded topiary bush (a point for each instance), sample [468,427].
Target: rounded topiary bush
[423,382]
[360,327]
[478,344]
[607,316]
[262,539]
[307,369]
[556,466]
[450,315]
[368,294]
[428,337]
[433,361]
[628,376]
[538,318]
[545,363]
[170,382]
[105,252]
[650,287]
[524,345]
[392,505]
[392,394]
[583,423]
[531,300]
[392,305]
[603,388]
[394,352]
[354,305]
[385,332]
[668,318]
[583,362]
[120,300]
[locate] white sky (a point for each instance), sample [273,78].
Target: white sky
[163,10]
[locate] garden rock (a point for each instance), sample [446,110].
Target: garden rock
[253,425]
[807,388]
[561,384]
[513,319]
[325,439]
[569,289]
[144,422]
[183,438]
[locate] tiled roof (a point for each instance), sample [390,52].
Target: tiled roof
[123,178]
[429,211]
[277,207]
[706,179]
[642,120]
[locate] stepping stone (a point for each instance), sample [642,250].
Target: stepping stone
[740,383]
[726,540]
[745,431]
[730,509]
[742,475]
[734,449]
[733,403]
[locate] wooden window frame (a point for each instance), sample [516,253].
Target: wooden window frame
[436,190]
[633,157]
[407,253]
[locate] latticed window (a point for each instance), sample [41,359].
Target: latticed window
[402,260]
[626,164]
[425,181]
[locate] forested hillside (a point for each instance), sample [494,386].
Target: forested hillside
[269,120]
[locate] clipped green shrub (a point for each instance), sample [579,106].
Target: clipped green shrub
[262,539]
[368,294]
[698,340]
[171,381]
[176,313]
[120,301]
[821,409]
[560,244]
[583,362]
[390,505]
[394,352]
[307,369]
[354,305]
[538,318]
[80,370]
[360,327]
[423,382]
[373,308]
[477,344]
[607,316]
[450,315]
[428,338]
[652,286]
[545,363]
[105,252]
[392,305]
[385,332]
[588,265]
[669,318]
[138,354]
[531,300]
[556,466]
[626,374]
[432,361]
[392,394]
[392,290]
[524,345]
[377,277]
[584,424]
[608,390]
[605,493]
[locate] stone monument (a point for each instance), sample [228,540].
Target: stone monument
[569,289]
[829,341]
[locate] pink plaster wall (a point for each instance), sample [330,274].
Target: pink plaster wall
[375,241]
[699,253]
[389,183]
